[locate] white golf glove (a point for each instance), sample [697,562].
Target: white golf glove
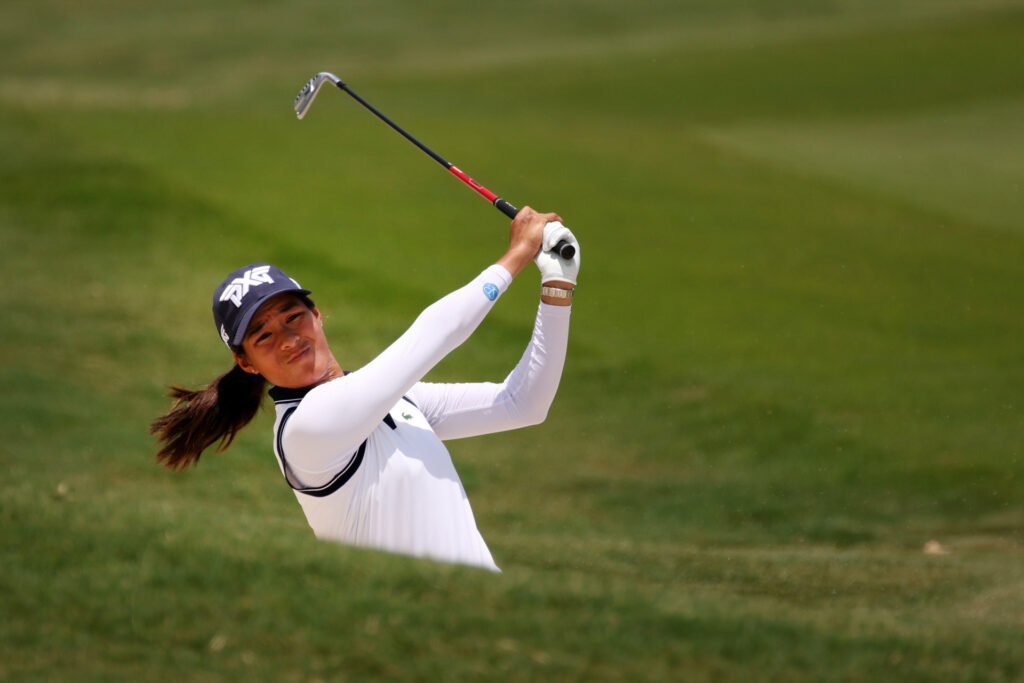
[552,266]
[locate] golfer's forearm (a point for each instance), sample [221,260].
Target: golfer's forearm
[532,384]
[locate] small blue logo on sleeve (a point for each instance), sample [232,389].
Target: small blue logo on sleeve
[491,291]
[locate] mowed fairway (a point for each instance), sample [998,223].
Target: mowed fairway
[788,440]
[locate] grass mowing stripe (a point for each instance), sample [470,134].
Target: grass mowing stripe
[898,70]
[960,162]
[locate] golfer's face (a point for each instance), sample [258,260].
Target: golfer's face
[286,343]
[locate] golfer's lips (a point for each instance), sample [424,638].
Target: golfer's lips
[298,355]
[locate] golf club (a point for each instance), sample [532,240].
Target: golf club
[309,92]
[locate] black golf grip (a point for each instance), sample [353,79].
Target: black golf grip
[563,248]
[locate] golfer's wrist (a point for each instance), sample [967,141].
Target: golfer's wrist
[557,292]
[516,259]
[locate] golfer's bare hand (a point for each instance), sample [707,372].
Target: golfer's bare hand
[524,238]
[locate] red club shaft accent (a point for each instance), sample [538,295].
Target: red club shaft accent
[472,183]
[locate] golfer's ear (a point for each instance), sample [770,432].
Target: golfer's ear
[244,363]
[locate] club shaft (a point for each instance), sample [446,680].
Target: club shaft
[383,117]
[502,205]
[563,248]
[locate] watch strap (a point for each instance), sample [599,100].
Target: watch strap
[557,292]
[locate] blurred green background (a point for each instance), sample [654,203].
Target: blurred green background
[787,444]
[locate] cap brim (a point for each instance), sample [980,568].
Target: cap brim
[243,323]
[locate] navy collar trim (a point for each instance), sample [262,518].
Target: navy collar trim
[283,395]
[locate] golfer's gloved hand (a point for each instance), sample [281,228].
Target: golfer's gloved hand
[552,266]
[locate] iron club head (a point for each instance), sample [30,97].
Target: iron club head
[309,91]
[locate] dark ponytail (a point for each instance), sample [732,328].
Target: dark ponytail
[201,418]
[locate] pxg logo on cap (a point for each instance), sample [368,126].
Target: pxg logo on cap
[239,286]
[241,294]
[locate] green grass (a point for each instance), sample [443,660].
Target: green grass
[795,355]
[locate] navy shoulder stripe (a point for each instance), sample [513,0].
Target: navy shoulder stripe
[282,395]
[339,480]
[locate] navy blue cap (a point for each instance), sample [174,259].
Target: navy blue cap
[242,293]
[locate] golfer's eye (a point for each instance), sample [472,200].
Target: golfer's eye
[293,317]
[263,337]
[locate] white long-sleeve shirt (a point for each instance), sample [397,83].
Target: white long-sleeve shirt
[364,452]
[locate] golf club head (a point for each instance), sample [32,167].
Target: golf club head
[309,91]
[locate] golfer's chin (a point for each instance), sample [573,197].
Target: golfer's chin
[299,374]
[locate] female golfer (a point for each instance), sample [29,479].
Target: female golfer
[363,449]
